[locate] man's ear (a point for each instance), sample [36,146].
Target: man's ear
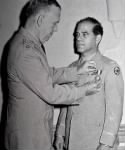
[39,19]
[98,39]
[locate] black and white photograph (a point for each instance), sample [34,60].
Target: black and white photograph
[62,74]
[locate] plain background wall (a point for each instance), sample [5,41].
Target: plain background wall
[60,47]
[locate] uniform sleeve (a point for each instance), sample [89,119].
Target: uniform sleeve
[35,74]
[63,75]
[114,95]
[60,128]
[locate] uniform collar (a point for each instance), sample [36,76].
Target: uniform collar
[96,57]
[88,58]
[32,39]
[29,36]
[98,60]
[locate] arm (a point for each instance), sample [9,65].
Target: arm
[60,129]
[64,75]
[114,95]
[72,72]
[33,70]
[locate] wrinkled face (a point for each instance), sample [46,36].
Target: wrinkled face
[49,23]
[85,40]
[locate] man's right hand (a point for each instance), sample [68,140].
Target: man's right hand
[87,67]
[91,87]
[59,143]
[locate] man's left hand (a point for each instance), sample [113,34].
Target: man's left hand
[88,67]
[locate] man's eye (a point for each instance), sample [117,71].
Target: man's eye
[84,34]
[77,35]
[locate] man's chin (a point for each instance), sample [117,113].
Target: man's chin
[46,39]
[80,50]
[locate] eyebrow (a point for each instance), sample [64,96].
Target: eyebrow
[85,32]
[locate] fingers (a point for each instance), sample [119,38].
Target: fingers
[94,87]
[90,63]
[86,79]
[98,87]
[58,144]
[87,67]
[92,69]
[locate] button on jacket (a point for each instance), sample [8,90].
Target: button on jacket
[32,90]
[96,120]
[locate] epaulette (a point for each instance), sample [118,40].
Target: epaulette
[115,67]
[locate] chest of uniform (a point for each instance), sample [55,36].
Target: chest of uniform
[92,104]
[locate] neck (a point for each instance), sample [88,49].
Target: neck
[88,56]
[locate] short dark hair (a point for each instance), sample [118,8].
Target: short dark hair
[97,29]
[32,7]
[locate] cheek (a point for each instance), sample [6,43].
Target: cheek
[49,29]
[90,42]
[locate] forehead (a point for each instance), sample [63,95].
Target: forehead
[85,27]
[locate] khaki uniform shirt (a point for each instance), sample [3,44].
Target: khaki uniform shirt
[32,90]
[96,120]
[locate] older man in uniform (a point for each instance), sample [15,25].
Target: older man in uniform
[94,124]
[33,84]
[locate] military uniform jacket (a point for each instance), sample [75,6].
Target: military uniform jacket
[32,90]
[97,118]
